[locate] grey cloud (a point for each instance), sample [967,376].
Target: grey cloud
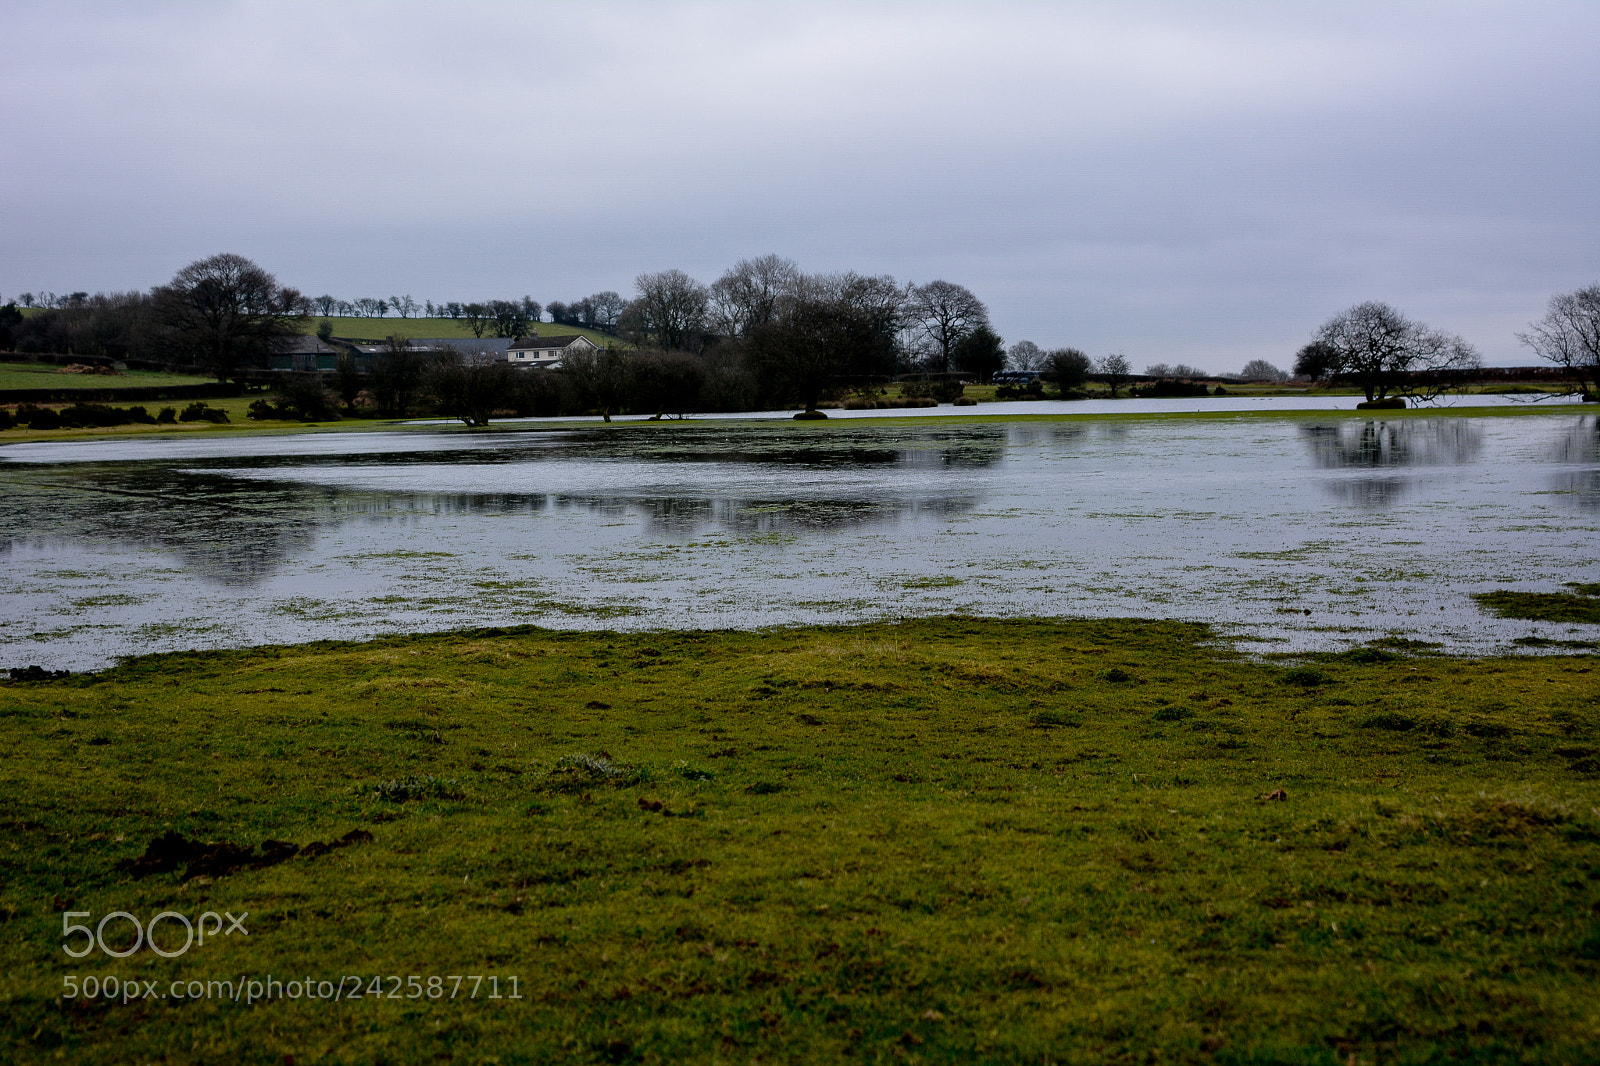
[1186,182]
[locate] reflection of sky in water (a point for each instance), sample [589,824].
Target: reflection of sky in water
[1300,532]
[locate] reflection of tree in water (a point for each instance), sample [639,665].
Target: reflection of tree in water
[229,531]
[794,516]
[691,514]
[1579,447]
[1368,493]
[817,447]
[239,530]
[1375,445]
[1430,442]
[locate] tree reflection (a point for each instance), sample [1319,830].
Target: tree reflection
[1378,445]
[239,530]
[1430,442]
[1579,450]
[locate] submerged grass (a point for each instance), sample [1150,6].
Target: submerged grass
[1581,606]
[947,840]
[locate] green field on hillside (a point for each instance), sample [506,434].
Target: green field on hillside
[49,376]
[950,840]
[356,328]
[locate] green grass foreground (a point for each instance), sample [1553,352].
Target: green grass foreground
[947,840]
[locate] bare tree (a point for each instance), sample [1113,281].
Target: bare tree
[602,379]
[1261,370]
[1382,352]
[607,306]
[478,318]
[471,388]
[670,311]
[749,293]
[404,306]
[1569,336]
[669,382]
[397,374]
[225,311]
[942,313]
[837,332]
[583,310]
[1025,355]
[509,318]
[878,298]
[1116,369]
[326,305]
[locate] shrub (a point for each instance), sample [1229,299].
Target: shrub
[1033,390]
[38,417]
[1305,677]
[1172,389]
[166,415]
[6,421]
[93,415]
[303,397]
[199,412]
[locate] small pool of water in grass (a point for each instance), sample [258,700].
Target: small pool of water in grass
[1313,531]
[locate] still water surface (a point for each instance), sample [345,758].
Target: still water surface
[1311,531]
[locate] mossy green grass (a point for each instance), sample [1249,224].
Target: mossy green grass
[945,840]
[1581,606]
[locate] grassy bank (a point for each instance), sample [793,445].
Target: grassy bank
[940,841]
[237,408]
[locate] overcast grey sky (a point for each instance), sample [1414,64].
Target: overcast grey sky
[1195,182]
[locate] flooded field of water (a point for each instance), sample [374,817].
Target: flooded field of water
[1296,532]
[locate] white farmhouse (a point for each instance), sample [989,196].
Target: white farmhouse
[546,352]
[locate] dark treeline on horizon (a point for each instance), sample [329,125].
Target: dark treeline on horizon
[764,334]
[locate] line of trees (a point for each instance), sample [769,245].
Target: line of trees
[765,332]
